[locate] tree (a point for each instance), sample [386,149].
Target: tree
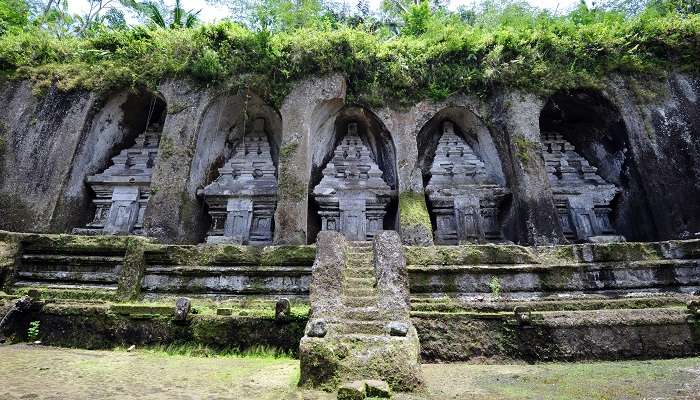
[282,15]
[13,13]
[416,19]
[175,18]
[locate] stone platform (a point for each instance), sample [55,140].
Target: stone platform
[569,302]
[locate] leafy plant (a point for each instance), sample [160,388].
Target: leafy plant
[176,18]
[33,331]
[495,286]
[497,44]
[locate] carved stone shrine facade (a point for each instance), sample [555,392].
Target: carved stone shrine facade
[464,199]
[582,197]
[242,200]
[352,195]
[122,190]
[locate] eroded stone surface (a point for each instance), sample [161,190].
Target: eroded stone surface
[358,310]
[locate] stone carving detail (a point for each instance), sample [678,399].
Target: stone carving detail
[352,194]
[242,199]
[581,196]
[465,199]
[122,190]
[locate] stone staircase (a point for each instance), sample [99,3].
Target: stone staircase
[360,327]
[360,294]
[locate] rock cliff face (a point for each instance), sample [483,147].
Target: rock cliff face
[643,137]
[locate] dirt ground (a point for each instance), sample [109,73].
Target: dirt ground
[38,372]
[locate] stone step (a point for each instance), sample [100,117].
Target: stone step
[360,244]
[368,281]
[360,327]
[361,313]
[357,286]
[360,301]
[430,300]
[359,291]
[359,273]
[352,259]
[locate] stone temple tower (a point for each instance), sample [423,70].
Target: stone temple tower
[352,195]
[242,199]
[581,196]
[122,190]
[464,198]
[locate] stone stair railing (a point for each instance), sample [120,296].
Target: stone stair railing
[360,326]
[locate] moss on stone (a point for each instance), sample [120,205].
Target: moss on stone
[524,148]
[413,211]
[469,255]
[289,186]
[287,151]
[133,269]
[167,148]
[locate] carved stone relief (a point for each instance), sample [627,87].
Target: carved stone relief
[242,199]
[352,195]
[464,199]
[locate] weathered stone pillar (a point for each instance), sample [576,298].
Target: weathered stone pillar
[303,111]
[173,206]
[392,277]
[515,116]
[9,253]
[131,276]
[414,220]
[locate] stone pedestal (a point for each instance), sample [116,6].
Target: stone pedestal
[242,199]
[581,196]
[122,190]
[352,195]
[464,199]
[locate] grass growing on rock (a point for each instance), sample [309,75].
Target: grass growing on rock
[525,48]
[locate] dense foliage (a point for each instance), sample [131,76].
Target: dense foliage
[436,53]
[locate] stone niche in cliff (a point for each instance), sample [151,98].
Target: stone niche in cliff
[122,190]
[242,200]
[595,181]
[465,199]
[465,187]
[581,196]
[352,196]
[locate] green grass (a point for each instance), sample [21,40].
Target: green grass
[596,380]
[200,350]
[523,49]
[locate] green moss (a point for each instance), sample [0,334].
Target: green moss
[289,186]
[516,48]
[167,148]
[468,255]
[525,149]
[288,151]
[413,210]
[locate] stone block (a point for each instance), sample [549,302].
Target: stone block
[182,309]
[376,388]
[352,391]
[282,308]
